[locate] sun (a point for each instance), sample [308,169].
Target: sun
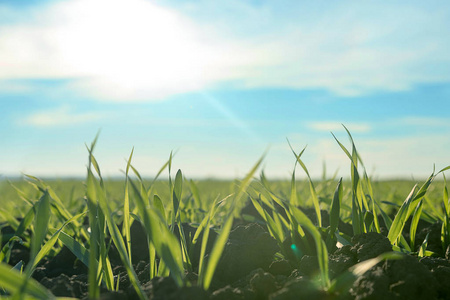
[129,49]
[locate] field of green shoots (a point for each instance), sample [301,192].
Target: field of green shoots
[305,218]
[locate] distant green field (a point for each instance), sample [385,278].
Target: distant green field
[73,192]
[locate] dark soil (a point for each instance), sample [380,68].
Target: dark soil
[250,269]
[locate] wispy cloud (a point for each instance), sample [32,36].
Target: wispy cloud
[154,51]
[414,155]
[337,126]
[62,116]
[426,122]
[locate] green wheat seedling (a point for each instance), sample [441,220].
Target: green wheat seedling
[219,244]
[445,231]
[359,201]
[410,204]
[12,280]
[312,188]
[100,216]
[89,225]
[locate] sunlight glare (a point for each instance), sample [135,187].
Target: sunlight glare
[135,47]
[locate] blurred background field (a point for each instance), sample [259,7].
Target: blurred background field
[391,193]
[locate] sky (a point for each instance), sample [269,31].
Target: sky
[220,83]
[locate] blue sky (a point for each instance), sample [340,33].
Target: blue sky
[221,82]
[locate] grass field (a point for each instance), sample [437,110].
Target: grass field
[88,216]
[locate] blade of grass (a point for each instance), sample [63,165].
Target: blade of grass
[312,188]
[445,197]
[166,244]
[176,200]
[22,194]
[424,246]
[96,195]
[167,163]
[205,227]
[115,235]
[94,237]
[26,221]
[93,289]
[400,218]
[336,208]
[216,252]
[47,247]
[107,274]
[407,208]
[222,238]
[12,280]
[57,204]
[372,199]
[195,194]
[414,223]
[145,194]
[10,219]
[76,248]
[201,228]
[40,223]
[159,206]
[126,210]
[5,254]
[357,216]
[274,230]
[445,231]
[294,197]
[432,209]
[322,253]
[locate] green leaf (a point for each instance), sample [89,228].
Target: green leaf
[126,209]
[424,246]
[445,197]
[19,266]
[335,208]
[205,222]
[94,238]
[6,250]
[166,244]
[116,236]
[312,188]
[26,221]
[159,206]
[400,218]
[51,242]
[414,223]
[322,253]
[176,197]
[444,169]
[294,197]
[40,223]
[75,247]
[195,194]
[357,215]
[12,280]
[216,252]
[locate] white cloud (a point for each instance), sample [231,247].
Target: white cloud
[413,155]
[337,126]
[136,50]
[61,116]
[116,50]
[425,122]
